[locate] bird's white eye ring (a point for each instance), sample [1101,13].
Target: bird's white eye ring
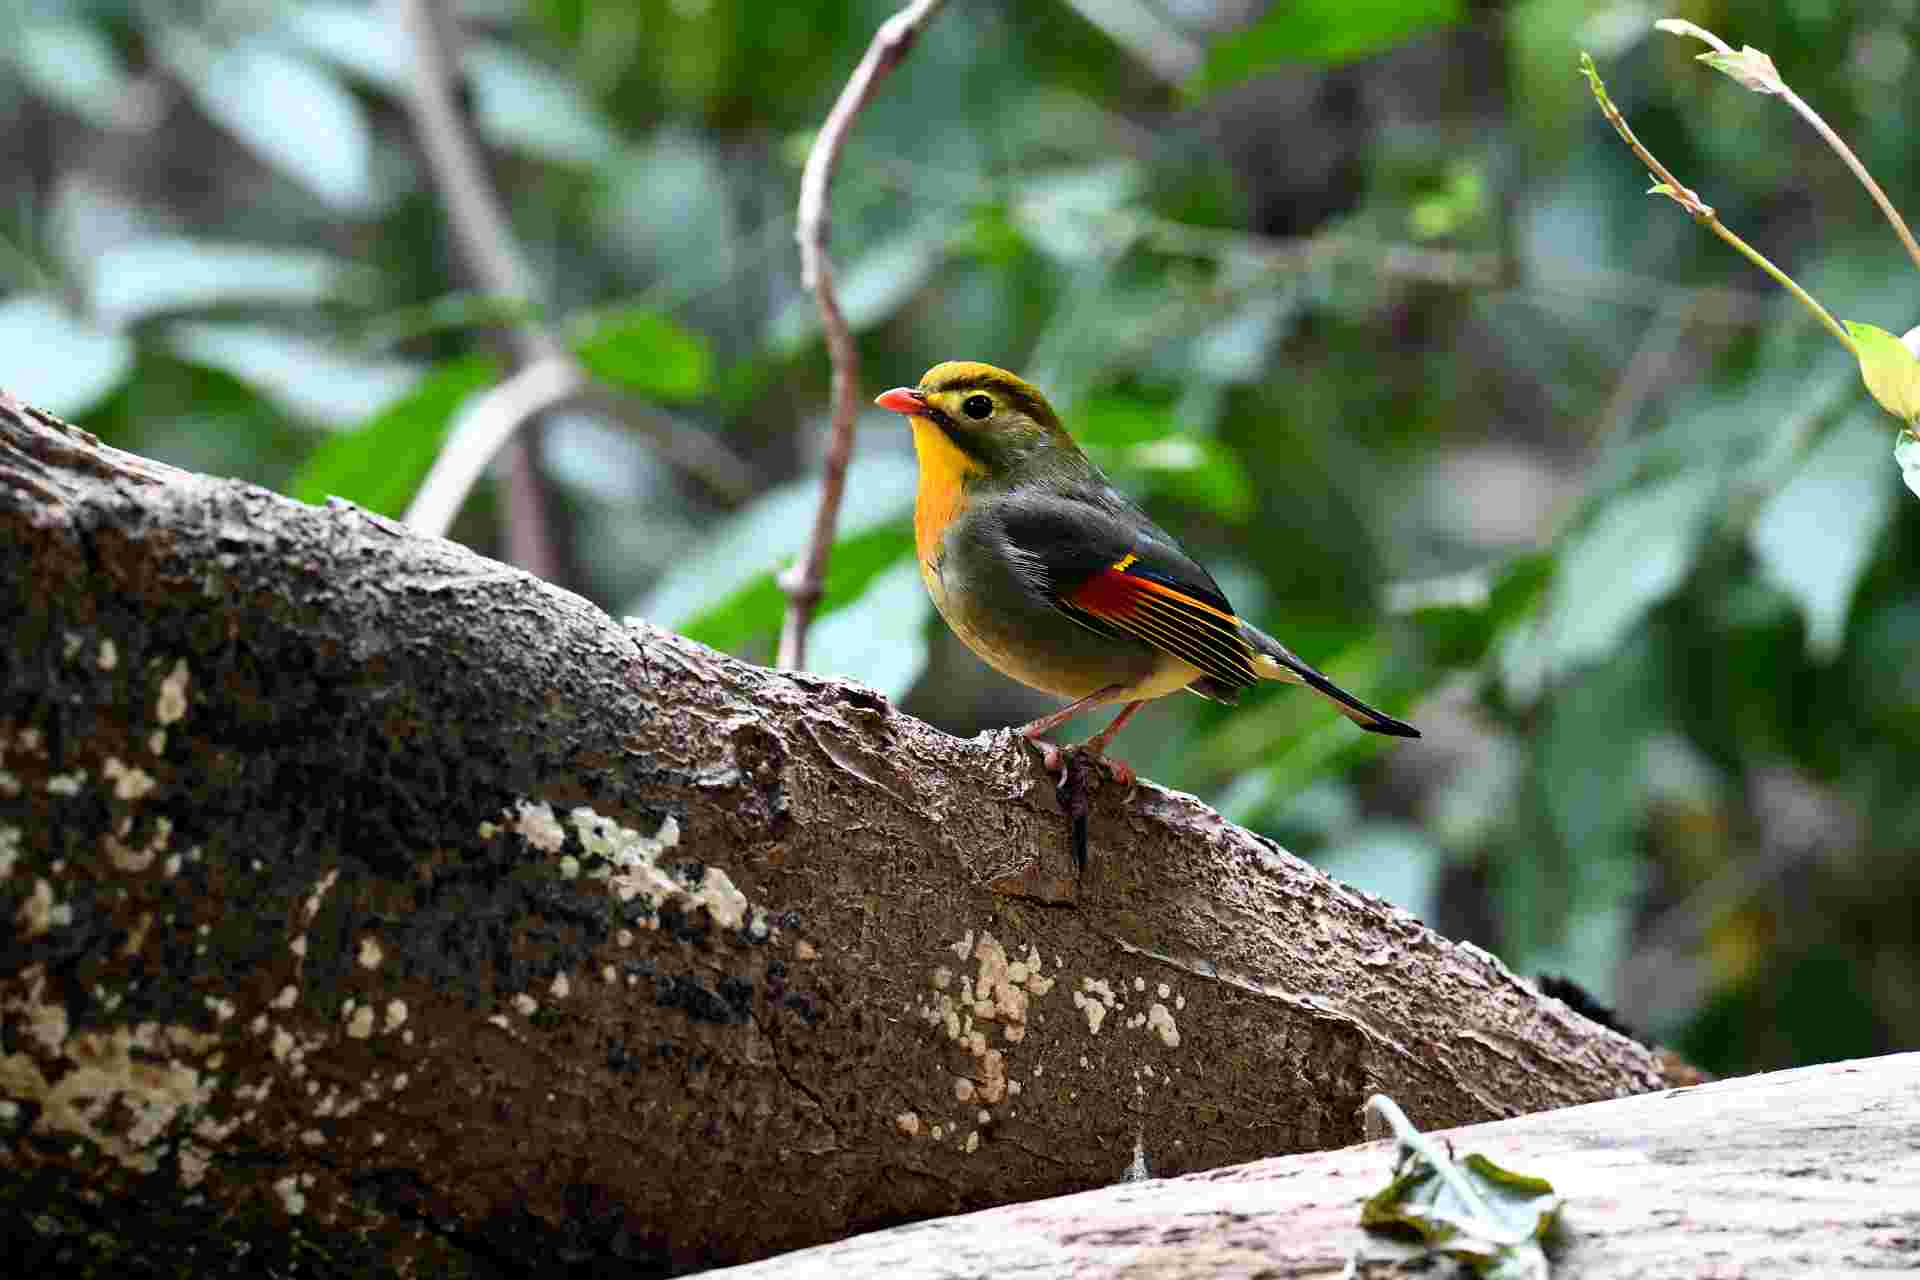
[977,407]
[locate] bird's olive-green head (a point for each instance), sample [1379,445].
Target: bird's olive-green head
[997,420]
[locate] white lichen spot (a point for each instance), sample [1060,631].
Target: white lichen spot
[396,1014]
[109,654]
[804,950]
[360,1023]
[537,825]
[377,1139]
[282,1044]
[10,841]
[291,1198]
[1013,1087]
[623,938]
[984,1117]
[1179,1002]
[134,860]
[1095,999]
[401,1081]
[1139,984]
[908,1123]
[973,1141]
[992,1087]
[38,913]
[935,1133]
[130,782]
[320,892]
[299,946]
[67,784]
[172,703]
[371,953]
[962,1089]
[942,978]
[561,988]
[1164,990]
[171,866]
[1160,1022]
[313,1138]
[526,1005]
[964,947]
[288,994]
[70,644]
[223,1008]
[608,974]
[157,743]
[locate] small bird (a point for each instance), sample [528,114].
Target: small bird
[1055,578]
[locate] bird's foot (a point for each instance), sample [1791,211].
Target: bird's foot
[1075,783]
[1054,759]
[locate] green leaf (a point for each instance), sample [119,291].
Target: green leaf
[1195,470]
[257,91]
[1632,555]
[648,354]
[1816,536]
[60,361]
[1322,31]
[527,106]
[1459,617]
[1119,422]
[1906,452]
[131,281]
[382,462]
[880,637]
[726,596]
[1889,369]
[1471,1211]
[316,381]
[1749,68]
[754,611]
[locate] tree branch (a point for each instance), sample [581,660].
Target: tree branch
[359,883]
[803,581]
[1785,1175]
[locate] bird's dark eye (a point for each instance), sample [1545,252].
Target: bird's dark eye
[977,407]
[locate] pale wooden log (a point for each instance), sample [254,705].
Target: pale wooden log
[1800,1174]
[298,817]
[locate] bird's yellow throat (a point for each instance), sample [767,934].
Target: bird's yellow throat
[943,468]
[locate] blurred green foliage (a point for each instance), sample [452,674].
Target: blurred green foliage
[1365,302]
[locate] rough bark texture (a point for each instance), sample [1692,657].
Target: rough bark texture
[1814,1172]
[372,903]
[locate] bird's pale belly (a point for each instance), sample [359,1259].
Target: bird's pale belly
[1057,656]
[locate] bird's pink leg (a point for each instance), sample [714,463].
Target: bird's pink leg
[1033,731]
[1096,746]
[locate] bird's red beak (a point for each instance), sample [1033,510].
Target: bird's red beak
[902,400]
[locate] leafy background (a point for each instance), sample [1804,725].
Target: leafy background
[1365,301]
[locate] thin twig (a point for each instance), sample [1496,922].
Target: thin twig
[486,244]
[802,582]
[1702,212]
[484,425]
[1778,85]
[488,248]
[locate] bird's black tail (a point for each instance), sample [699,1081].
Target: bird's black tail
[1277,662]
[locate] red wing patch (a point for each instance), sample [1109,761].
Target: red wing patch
[1169,619]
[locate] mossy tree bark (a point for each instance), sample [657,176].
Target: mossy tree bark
[370,900]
